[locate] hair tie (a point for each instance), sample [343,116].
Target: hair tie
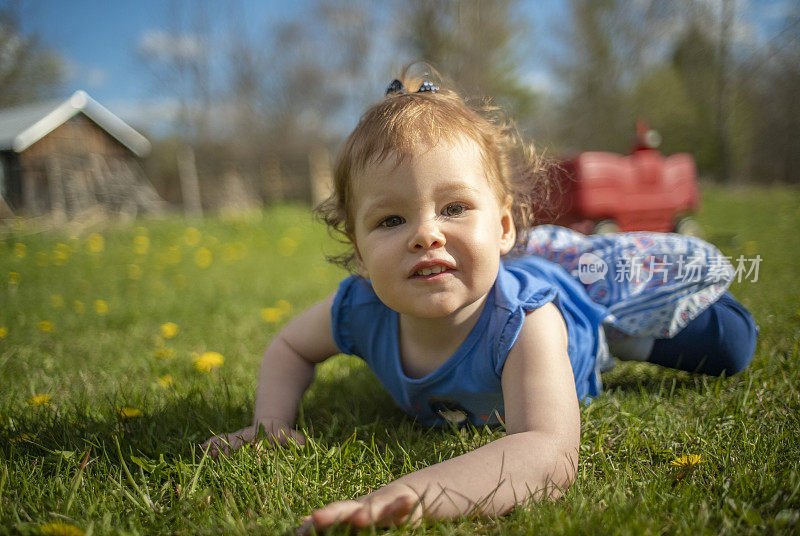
[397,87]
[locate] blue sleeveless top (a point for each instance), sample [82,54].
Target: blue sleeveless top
[467,387]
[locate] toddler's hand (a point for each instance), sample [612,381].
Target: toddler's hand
[277,433]
[390,506]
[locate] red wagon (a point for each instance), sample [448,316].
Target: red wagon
[641,191]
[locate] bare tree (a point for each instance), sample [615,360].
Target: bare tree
[476,44]
[28,71]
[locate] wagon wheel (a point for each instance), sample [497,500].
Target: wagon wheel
[690,227]
[606,227]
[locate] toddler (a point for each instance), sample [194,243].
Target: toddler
[465,314]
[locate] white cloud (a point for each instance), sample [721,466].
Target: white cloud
[96,77]
[162,45]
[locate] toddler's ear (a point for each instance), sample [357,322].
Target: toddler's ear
[508,236]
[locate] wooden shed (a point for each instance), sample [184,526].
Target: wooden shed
[67,157]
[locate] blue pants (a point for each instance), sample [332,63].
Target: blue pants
[721,339]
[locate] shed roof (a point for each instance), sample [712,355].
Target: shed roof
[22,126]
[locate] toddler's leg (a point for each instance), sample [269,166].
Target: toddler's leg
[721,339]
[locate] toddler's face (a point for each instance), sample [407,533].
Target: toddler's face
[429,232]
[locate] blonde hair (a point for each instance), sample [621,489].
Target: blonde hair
[403,122]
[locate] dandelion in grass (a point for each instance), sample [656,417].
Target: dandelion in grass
[169,330]
[101,307]
[95,243]
[60,528]
[192,236]
[13,278]
[134,272]
[39,400]
[203,257]
[287,246]
[61,254]
[57,301]
[690,460]
[165,381]
[271,314]
[750,247]
[20,250]
[78,307]
[45,326]
[164,353]
[129,413]
[208,361]
[141,244]
[3,332]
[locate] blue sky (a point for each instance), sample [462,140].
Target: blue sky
[100,40]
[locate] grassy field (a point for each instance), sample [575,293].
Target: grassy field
[123,348]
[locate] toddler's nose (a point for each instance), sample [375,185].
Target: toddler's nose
[426,235]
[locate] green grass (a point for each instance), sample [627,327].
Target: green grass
[77,460]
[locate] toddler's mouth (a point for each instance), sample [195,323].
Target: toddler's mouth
[434,270]
[430,269]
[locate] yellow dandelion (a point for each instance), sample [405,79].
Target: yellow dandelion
[690,460]
[166,381]
[20,250]
[13,278]
[750,247]
[23,437]
[287,246]
[192,236]
[271,314]
[96,243]
[57,300]
[60,528]
[141,244]
[3,332]
[164,353]
[284,306]
[134,272]
[169,330]
[39,400]
[173,255]
[208,361]
[101,307]
[129,413]
[46,326]
[61,254]
[203,257]
[79,307]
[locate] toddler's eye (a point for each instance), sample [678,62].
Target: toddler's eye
[454,210]
[391,221]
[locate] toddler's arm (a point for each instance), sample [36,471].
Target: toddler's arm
[286,372]
[537,458]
